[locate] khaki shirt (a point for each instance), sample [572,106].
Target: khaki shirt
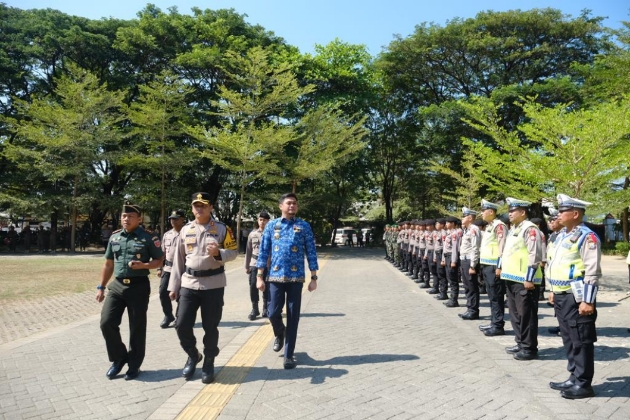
[470,243]
[168,247]
[253,248]
[191,252]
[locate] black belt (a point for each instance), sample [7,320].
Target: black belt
[168,263]
[447,254]
[132,280]
[566,292]
[205,273]
[464,258]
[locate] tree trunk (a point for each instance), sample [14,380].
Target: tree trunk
[163,199]
[238,219]
[624,221]
[73,230]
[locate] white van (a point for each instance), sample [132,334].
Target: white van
[342,236]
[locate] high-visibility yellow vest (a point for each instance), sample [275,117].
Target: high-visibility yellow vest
[565,261]
[489,249]
[515,259]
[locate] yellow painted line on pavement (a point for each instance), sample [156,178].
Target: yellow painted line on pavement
[211,400]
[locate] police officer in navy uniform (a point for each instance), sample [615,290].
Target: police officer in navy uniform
[129,256]
[198,279]
[574,272]
[177,219]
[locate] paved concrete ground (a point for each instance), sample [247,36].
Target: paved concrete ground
[371,345]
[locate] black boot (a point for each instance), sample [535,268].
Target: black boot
[207,372]
[254,313]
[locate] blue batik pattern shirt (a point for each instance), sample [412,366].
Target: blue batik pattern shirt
[288,241]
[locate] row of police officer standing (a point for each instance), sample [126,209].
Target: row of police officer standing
[511,262]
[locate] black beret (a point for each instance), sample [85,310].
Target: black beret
[440,220]
[452,219]
[430,222]
[480,222]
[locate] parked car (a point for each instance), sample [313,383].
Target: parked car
[342,236]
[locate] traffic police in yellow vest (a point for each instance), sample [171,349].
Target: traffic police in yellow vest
[130,254]
[492,244]
[198,278]
[520,267]
[573,274]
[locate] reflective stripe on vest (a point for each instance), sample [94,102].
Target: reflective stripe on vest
[516,256]
[565,261]
[489,250]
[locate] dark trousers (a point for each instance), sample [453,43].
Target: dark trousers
[432,268]
[523,305]
[426,272]
[211,304]
[292,291]
[471,287]
[441,273]
[496,294]
[135,298]
[165,300]
[254,294]
[451,276]
[578,335]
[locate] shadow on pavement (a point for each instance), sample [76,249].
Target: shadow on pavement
[613,387]
[613,332]
[159,375]
[602,353]
[306,360]
[320,314]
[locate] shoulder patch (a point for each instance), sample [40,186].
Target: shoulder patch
[116,231]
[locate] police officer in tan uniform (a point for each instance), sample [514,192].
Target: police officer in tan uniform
[492,244]
[520,268]
[198,278]
[177,219]
[574,272]
[469,261]
[251,258]
[450,259]
[130,254]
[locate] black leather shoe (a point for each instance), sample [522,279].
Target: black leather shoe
[424,286]
[561,386]
[278,343]
[513,350]
[577,392]
[132,374]
[207,373]
[264,312]
[191,366]
[526,355]
[485,327]
[465,313]
[289,363]
[433,291]
[166,322]
[470,316]
[441,297]
[492,332]
[451,303]
[554,331]
[483,291]
[115,368]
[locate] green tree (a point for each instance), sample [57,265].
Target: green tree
[64,140]
[250,140]
[160,116]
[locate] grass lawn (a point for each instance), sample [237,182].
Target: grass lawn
[31,277]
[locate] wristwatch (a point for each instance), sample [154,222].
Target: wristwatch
[99,287]
[314,278]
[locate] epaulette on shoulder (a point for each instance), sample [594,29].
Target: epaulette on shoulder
[116,231]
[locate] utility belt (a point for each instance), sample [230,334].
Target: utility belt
[565,292]
[448,254]
[464,258]
[132,280]
[205,273]
[168,263]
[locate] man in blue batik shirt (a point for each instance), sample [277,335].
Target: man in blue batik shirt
[286,239]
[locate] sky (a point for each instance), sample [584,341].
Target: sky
[303,24]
